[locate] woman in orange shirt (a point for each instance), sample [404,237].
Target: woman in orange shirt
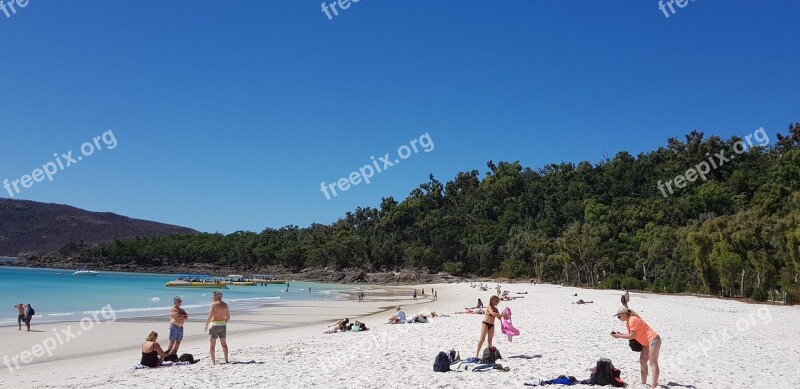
[649,339]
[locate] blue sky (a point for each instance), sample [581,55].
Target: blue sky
[229,115]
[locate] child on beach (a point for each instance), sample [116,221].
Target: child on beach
[487,325]
[649,339]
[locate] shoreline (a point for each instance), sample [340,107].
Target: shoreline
[316,314]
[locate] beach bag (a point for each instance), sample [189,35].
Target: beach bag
[490,355]
[171,358]
[618,382]
[635,345]
[30,311]
[453,356]
[604,372]
[442,363]
[187,358]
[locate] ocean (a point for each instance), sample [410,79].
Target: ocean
[57,295]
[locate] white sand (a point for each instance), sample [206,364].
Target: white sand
[743,346]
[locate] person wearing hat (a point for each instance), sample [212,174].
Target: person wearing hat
[218,317]
[649,339]
[177,316]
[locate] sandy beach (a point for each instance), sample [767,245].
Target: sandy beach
[707,343]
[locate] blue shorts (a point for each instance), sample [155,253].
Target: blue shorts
[175,333]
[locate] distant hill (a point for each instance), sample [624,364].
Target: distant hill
[29,227]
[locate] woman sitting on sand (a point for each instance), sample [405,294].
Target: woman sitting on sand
[487,325]
[152,353]
[649,339]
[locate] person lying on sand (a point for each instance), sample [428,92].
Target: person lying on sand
[583,302]
[471,311]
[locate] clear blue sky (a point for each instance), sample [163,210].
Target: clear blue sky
[229,115]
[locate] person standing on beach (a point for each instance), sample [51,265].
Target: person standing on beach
[487,325]
[218,317]
[29,312]
[625,298]
[649,339]
[177,316]
[20,314]
[415,295]
[435,296]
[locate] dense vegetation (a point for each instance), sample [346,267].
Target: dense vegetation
[606,225]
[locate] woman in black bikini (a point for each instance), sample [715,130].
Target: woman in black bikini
[487,326]
[152,353]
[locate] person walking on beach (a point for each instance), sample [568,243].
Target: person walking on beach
[415,295]
[487,325]
[177,316]
[649,339]
[20,315]
[218,317]
[435,296]
[29,312]
[625,298]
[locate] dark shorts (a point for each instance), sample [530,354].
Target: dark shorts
[20,319]
[27,319]
[218,332]
[175,333]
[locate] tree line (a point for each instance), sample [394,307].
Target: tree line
[602,225]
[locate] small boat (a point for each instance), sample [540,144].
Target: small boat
[195,281]
[86,273]
[238,280]
[266,279]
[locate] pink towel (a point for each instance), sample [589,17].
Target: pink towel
[506,326]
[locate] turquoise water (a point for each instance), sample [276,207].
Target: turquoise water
[57,295]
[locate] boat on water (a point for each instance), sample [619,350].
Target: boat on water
[238,280]
[86,273]
[267,279]
[195,281]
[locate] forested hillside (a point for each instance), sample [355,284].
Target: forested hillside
[606,224]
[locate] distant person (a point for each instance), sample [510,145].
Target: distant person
[20,315]
[218,317]
[580,302]
[487,325]
[309,289]
[152,354]
[435,296]
[415,295]
[399,317]
[29,312]
[625,298]
[177,316]
[649,339]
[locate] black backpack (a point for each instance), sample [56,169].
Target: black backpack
[442,362]
[604,372]
[490,355]
[30,311]
[187,358]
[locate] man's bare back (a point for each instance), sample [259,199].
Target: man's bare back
[220,311]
